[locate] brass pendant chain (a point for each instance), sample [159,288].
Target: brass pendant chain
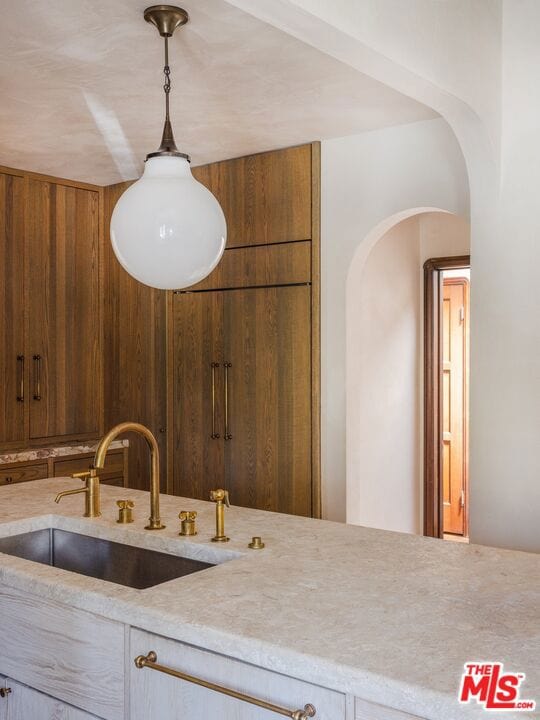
[167,73]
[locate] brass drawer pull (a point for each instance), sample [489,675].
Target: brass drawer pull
[214,435]
[4,692]
[37,377]
[150,661]
[227,434]
[20,363]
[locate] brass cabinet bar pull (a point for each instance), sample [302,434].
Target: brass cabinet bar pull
[227,434]
[37,377]
[214,435]
[150,661]
[20,363]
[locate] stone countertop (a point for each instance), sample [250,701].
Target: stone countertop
[388,617]
[43,453]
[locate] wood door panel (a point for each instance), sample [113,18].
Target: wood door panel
[63,309]
[12,369]
[198,342]
[135,322]
[267,341]
[266,198]
[454,404]
[285,264]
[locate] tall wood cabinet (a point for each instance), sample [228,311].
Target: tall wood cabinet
[245,342]
[51,318]
[135,359]
[12,313]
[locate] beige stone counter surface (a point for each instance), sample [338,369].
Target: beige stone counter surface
[388,617]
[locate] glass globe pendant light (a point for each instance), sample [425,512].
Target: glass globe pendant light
[167,230]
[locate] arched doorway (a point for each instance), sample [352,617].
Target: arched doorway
[384,377]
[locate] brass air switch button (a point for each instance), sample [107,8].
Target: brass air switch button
[256,543]
[125,512]
[187,522]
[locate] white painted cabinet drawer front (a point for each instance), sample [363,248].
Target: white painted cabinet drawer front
[156,695]
[66,653]
[364,710]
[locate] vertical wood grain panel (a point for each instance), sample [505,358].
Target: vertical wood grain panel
[265,197]
[198,342]
[63,309]
[12,411]
[267,341]
[135,321]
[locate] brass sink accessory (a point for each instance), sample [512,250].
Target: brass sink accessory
[256,543]
[154,521]
[221,498]
[125,512]
[187,522]
[92,507]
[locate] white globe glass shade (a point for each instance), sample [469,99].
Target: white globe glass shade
[167,230]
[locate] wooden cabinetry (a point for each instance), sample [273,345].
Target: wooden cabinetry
[12,358]
[264,196]
[70,654]
[245,358]
[154,694]
[24,703]
[50,310]
[63,310]
[134,355]
[115,471]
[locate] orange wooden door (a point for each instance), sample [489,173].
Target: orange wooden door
[455,383]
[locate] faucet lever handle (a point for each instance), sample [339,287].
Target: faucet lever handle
[92,472]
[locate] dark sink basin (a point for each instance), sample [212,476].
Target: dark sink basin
[103,559]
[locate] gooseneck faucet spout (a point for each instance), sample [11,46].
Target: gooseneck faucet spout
[154,522]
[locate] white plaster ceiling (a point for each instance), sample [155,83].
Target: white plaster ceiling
[81,88]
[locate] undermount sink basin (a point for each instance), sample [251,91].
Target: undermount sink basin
[123,564]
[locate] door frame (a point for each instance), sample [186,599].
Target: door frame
[433,282]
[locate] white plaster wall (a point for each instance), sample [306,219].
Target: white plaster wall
[385,370]
[505,389]
[369,181]
[476,63]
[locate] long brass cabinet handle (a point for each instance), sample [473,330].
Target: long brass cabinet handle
[20,363]
[37,377]
[150,661]
[227,434]
[214,435]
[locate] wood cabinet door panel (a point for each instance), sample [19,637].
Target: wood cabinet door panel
[284,264]
[266,198]
[24,703]
[12,361]
[71,654]
[63,310]
[134,356]
[268,344]
[25,473]
[156,695]
[198,393]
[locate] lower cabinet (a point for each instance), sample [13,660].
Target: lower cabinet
[3,698]
[23,703]
[155,694]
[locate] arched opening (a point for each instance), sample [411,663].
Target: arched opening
[384,361]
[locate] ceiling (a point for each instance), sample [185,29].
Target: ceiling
[81,88]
